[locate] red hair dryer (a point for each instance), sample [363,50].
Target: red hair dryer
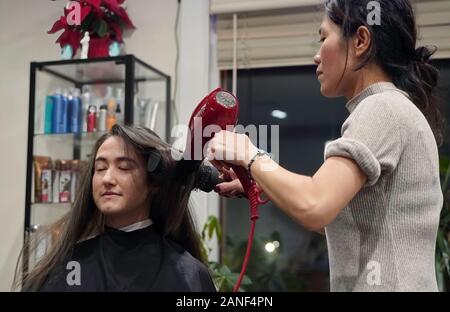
[219,111]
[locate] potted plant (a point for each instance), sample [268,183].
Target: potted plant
[223,277]
[104,20]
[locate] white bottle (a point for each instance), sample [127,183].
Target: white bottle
[102,118]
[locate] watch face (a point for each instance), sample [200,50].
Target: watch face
[225,99]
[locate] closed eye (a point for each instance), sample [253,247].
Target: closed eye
[125,165]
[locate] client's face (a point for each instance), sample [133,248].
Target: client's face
[119,184]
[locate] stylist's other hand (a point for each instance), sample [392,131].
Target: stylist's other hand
[232,148]
[232,187]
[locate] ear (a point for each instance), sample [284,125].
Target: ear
[362,41]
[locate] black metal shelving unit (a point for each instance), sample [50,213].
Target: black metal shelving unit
[126,70]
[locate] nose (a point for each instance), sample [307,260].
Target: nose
[108,177]
[317,58]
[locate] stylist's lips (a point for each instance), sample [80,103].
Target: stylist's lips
[318,73]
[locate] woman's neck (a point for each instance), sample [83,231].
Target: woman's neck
[120,221]
[367,76]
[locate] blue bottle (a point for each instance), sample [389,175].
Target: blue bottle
[48,117]
[75,112]
[60,112]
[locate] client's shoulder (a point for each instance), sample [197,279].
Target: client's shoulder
[181,258]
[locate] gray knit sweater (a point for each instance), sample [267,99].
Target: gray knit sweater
[384,240]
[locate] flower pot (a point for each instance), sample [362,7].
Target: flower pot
[99,47]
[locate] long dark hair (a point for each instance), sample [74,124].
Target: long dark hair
[393,47]
[169,206]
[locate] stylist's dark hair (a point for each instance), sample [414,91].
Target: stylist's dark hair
[171,189]
[393,48]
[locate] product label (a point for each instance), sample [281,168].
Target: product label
[65,180]
[46,184]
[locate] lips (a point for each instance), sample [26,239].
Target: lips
[110,194]
[318,73]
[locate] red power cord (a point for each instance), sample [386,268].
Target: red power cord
[255,201]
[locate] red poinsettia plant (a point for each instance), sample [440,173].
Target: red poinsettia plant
[105,20]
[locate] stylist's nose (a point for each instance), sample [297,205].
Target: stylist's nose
[317,59]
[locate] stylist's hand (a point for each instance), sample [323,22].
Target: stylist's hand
[231,148]
[232,187]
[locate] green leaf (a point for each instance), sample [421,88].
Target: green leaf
[100,27]
[213,266]
[444,163]
[103,29]
[205,226]
[219,231]
[86,23]
[441,241]
[246,281]
[446,179]
[233,278]
[212,225]
[224,270]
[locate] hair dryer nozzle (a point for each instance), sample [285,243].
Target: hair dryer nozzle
[226,99]
[208,178]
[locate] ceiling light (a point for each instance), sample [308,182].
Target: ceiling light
[279,114]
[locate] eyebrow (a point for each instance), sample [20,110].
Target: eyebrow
[118,159]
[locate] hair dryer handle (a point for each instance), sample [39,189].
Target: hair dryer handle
[251,190]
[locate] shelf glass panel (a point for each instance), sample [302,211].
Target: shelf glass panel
[63,145]
[143,73]
[88,73]
[47,213]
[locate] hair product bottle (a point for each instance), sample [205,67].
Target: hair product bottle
[111,118]
[59,112]
[101,122]
[119,112]
[48,117]
[75,112]
[86,102]
[91,118]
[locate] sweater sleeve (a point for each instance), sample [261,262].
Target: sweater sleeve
[371,136]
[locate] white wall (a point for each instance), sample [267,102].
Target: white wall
[194,84]
[24,39]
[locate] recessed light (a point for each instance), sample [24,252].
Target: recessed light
[279,114]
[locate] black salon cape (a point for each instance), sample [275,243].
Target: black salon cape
[140,260]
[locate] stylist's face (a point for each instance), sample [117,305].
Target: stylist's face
[331,60]
[119,183]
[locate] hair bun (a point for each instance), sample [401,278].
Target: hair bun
[423,54]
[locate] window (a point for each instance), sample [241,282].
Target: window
[299,260]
